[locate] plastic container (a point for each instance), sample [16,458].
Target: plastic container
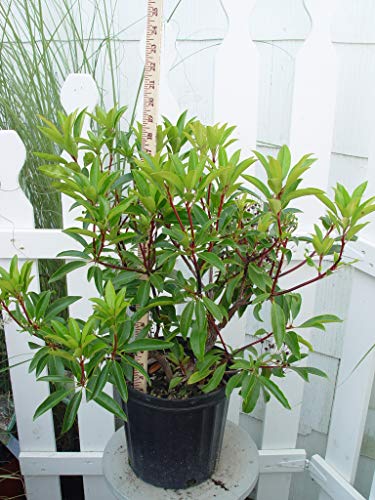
[175,443]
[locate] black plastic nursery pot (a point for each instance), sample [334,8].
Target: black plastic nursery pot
[175,443]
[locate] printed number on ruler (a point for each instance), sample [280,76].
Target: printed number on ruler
[150,119]
[152,75]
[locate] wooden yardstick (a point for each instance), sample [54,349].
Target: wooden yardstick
[149,122]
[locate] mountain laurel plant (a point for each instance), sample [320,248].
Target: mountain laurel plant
[181,237]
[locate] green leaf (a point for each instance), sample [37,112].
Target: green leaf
[318,321]
[217,377]
[213,308]
[305,342]
[212,259]
[291,341]
[258,184]
[249,393]
[143,293]
[65,269]
[278,324]
[119,380]
[298,193]
[71,411]
[74,253]
[304,372]
[198,376]
[174,382]
[59,305]
[233,382]
[284,159]
[327,202]
[56,379]
[110,405]
[186,318]
[42,305]
[147,345]
[136,366]
[100,382]
[198,339]
[53,399]
[110,294]
[275,391]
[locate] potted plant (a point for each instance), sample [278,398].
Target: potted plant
[181,238]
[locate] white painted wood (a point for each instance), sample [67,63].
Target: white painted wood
[333,296]
[333,484]
[16,211]
[95,424]
[78,92]
[319,393]
[198,20]
[275,461]
[288,20]
[90,463]
[82,463]
[34,243]
[193,77]
[235,103]
[355,100]
[354,22]
[276,84]
[168,105]
[238,476]
[280,428]
[314,100]
[353,387]
[369,231]
[236,75]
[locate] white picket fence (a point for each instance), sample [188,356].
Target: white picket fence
[235,101]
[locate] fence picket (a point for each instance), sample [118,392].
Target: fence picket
[236,102]
[17,213]
[168,105]
[96,425]
[237,74]
[314,102]
[311,130]
[354,384]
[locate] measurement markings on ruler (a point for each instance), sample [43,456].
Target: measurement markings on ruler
[149,127]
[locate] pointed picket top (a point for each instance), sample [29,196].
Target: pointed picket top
[314,103]
[15,209]
[79,91]
[168,103]
[236,75]
[320,12]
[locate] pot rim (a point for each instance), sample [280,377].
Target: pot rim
[177,404]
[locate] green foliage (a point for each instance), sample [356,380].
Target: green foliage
[180,237]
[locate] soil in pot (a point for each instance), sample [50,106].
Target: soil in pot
[175,443]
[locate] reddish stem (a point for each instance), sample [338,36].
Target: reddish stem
[11,314]
[218,333]
[170,199]
[277,275]
[259,341]
[121,268]
[319,276]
